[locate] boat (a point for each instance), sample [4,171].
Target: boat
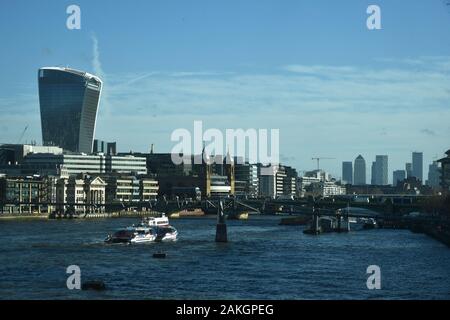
[120,236]
[371,223]
[362,223]
[132,235]
[167,233]
[143,235]
[150,229]
[155,221]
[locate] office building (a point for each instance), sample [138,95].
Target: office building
[271,182]
[408,169]
[22,194]
[111,148]
[373,173]
[347,172]
[310,178]
[445,172]
[330,188]
[398,176]
[290,182]
[125,164]
[99,146]
[11,154]
[81,194]
[319,183]
[279,181]
[417,165]
[73,164]
[246,179]
[68,101]
[359,176]
[434,175]
[380,171]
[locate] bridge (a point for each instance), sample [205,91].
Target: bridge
[232,205]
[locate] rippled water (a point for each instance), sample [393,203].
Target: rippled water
[262,261]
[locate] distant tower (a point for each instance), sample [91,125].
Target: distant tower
[373,179]
[359,176]
[380,170]
[417,165]
[434,175]
[408,169]
[111,148]
[347,172]
[68,101]
[398,176]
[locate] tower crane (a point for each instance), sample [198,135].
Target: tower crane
[23,133]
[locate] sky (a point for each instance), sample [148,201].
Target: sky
[311,69]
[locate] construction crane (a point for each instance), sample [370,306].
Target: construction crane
[318,160]
[23,133]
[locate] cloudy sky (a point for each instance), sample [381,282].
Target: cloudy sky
[309,68]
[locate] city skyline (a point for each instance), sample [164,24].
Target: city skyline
[348,77]
[236,153]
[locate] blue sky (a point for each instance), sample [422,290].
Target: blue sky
[310,68]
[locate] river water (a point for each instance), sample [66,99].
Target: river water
[262,260]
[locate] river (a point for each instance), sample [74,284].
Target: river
[262,260]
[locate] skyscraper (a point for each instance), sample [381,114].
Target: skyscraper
[359,177]
[408,169]
[68,101]
[434,175]
[347,172]
[417,165]
[373,179]
[398,175]
[380,170]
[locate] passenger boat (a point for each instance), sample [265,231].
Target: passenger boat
[132,235]
[167,233]
[155,221]
[150,229]
[362,223]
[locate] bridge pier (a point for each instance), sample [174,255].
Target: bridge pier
[221,227]
[315,227]
[339,222]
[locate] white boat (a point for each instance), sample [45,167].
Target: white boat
[148,230]
[155,221]
[167,233]
[143,234]
[362,223]
[132,235]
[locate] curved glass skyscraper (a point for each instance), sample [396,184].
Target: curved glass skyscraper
[69,101]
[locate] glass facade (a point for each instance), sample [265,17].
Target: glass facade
[69,101]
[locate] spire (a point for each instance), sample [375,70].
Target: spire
[205,156]
[228,158]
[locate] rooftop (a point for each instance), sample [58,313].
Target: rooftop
[74,71]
